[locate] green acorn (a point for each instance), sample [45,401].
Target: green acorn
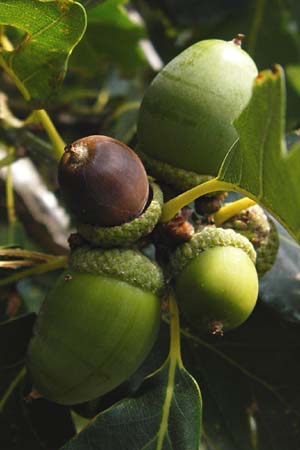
[96,326]
[185,124]
[215,279]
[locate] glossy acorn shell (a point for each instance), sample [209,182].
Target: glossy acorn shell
[218,287]
[186,117]
[103,181]
[92,333]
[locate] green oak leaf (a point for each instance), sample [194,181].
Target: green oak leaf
[50,30]
[259,164]
[164,415]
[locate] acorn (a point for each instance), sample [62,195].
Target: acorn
[103,181]
[130,232]
[215,279]
[185,123]
[106,187]
[96,326]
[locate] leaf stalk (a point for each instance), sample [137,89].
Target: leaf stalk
[174,205]
[232,209]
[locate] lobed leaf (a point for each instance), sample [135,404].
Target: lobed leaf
[38,63]
[259,164]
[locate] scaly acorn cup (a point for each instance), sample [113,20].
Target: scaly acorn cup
[186,117]
[96,326]
[261,231]
[107,189]
[129,232]
[216,282]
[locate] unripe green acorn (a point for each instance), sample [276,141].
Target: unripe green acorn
[186,117]
[103,181]
[96,326]
[216,282]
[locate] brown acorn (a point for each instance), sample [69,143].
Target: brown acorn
[103,181]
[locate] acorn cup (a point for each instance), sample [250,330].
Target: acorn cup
[107,190]
[96,326]
[185,123]
[216,283]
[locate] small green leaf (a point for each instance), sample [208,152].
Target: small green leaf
[259,164]
[165,414]
[52,29]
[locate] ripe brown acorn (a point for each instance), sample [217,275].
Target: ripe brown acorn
[103,181]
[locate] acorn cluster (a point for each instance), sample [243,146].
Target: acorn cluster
[101,319]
